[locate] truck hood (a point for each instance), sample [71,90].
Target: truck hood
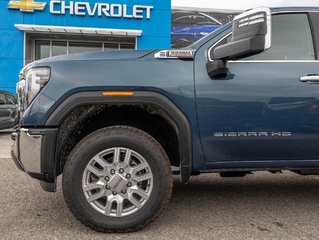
[109,55]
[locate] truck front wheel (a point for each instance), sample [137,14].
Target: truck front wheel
[117,179]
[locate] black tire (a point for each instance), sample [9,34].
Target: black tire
[117,136]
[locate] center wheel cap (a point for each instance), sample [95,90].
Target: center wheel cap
[118,182]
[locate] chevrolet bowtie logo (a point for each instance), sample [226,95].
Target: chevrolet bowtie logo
[26,5]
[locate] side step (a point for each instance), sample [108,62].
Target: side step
[234,174]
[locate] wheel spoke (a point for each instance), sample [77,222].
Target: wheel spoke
[108,205]
[119,209]
[100,161]
[139,168]
[135,202]
[116,157]
[127,158]
[140,192]
[96,196]
[141,178]
[92,186]
[95,171]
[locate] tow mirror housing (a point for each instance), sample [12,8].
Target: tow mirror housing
[251,34]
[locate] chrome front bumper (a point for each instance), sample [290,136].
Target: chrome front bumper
[27,150]
[33,151]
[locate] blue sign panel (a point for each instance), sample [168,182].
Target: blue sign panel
[152,17]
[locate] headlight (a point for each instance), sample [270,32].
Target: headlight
[35,80]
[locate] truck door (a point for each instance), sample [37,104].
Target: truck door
[266,110]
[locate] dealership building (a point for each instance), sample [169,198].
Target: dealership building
[34,29]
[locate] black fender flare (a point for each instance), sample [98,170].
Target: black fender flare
[173,112]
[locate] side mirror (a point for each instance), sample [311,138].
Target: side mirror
[251,34]
[2,102]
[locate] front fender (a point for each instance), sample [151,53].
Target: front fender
[57,117]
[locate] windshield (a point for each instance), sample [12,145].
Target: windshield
[213,34]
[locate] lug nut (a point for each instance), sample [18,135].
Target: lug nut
[123,191]
[107,178]
[129,184]
[107,187]
[112,171]
[114,193]
[128,175]
[121,170]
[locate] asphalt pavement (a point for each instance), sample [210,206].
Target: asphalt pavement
[5,144]
[258,206]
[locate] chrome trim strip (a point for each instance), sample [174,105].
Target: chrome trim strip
[216,43]
[309,78]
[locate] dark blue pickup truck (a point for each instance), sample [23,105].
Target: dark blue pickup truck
[242,99]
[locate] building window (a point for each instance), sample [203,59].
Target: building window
[126,46]
[59,48]
[49,48]
[42,49]
[111,46]
[78,47]
[39,46]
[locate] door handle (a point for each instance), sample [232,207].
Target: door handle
[310,79]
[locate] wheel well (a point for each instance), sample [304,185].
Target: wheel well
[87,118]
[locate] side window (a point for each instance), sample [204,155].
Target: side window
[291,39]
[10,99]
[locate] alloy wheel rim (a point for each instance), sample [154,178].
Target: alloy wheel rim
[117,182]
